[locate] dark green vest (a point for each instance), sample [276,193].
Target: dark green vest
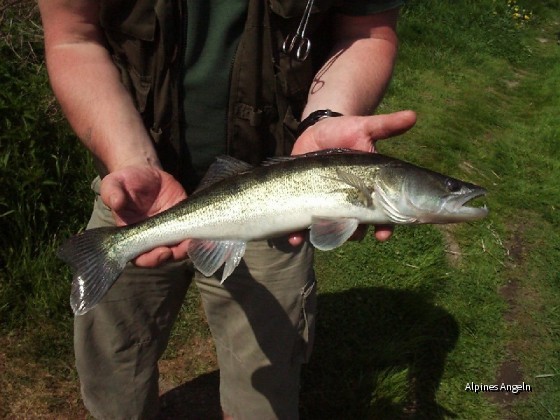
[268,88]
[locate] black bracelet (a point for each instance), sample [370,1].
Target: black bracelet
[313,118]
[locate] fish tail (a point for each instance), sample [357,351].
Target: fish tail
[95,266]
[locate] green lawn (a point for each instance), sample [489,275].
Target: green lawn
[404,326]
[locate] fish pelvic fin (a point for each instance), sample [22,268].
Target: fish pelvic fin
[208,256]
[95,267]
[327,234]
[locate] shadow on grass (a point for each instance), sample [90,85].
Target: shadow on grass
[193,400]
[379,353]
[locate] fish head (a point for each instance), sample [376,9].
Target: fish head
[410,194]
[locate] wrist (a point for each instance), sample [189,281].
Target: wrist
[138,159]
[136,162]
[313,118]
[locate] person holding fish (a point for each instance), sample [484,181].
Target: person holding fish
[156,90]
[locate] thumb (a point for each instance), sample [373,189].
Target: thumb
[389,125]
[112,193]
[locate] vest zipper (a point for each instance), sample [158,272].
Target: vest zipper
[194,178]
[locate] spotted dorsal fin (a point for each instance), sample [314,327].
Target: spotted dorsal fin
[224,167]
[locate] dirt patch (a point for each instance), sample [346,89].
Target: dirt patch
[45,389]
[509,374]
[510,371]
[452,248]
[195,399]
[33,388]
[193,358]
[509,292]
[518,295]
[516,247]
[189,382]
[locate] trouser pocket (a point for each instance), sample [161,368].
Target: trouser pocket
[306,327]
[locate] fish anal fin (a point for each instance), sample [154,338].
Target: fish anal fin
[327,234]
[208,255]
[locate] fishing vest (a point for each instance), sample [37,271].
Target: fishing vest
[268,88]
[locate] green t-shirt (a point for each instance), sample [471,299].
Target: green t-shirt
[213,30]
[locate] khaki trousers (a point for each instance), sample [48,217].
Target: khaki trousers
[261,318]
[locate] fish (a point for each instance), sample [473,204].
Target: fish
[329,192]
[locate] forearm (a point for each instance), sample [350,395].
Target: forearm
[87,85]
[352,83]
[355,77]
[98,107]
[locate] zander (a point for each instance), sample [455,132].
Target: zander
[330,192]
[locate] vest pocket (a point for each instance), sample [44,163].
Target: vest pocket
[130,28]
[137,19]
[306,327]
[137,84]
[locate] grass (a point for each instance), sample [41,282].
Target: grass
[403,325]
[42,168]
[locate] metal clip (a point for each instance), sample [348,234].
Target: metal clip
[298,45]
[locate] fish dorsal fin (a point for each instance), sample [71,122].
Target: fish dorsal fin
[224,167]
[325,152]
[208,256]
[327,234]
[328,152]
[277,159]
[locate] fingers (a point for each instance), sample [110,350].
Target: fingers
[154,258]
[180,251]
[383,232]
[162,254]
[296,239]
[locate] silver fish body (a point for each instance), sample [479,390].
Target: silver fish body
[330,192]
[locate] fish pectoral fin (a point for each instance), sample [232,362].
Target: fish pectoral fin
[354,181]
[327,234]
[208,256]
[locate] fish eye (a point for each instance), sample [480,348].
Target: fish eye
[452,185]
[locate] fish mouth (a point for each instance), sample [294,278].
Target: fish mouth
[456,207]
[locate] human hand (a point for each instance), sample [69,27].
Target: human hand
[135,193]
[353,132]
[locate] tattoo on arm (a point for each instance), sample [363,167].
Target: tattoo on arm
[318,82]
